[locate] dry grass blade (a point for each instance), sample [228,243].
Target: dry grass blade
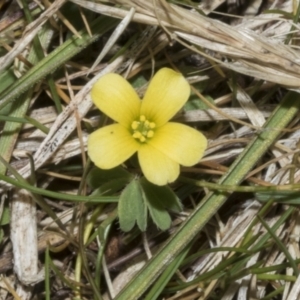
[29,33]
[265,58]
[241,69]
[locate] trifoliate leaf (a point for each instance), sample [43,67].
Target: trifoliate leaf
[132,208]
[111,187]
[155,205]
[162,196]
[97,177]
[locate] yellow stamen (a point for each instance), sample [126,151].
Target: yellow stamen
[152,125]
[137,135]
[142,129]
[135,125]
[150,134]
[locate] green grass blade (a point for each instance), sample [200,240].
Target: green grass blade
[60,196]
[167,275]
[280,245]
[55,59]
[213,201]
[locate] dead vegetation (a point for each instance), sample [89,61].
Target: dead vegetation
[238,234]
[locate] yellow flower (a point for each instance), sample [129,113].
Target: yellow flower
[143,127]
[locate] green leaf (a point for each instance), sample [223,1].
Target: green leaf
[162,196]
[287,109]
[132,208]
[98,177]
[5,217]
[196,103]
[111,187]
[139,81]
[159,216]
[154,197]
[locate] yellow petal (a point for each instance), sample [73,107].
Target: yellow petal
[181,143]
[114,96]
[167,93]
[110,146]
[156,166]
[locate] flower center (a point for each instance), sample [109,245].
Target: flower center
[142,129]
